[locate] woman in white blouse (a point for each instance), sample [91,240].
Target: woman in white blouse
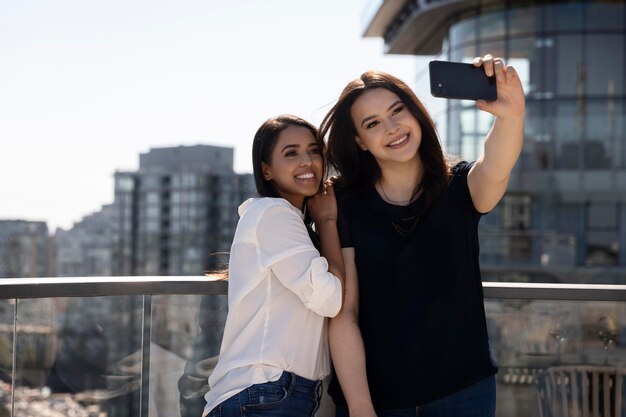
[274,351]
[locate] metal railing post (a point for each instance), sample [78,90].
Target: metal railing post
[146,338]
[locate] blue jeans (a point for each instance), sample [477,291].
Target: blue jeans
[478,400]
[289,396]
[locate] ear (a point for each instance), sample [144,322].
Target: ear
[267,171]
[360,142]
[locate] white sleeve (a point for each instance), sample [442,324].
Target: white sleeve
[286,248]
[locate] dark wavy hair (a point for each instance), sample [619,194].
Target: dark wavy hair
[264,143]
[358,169]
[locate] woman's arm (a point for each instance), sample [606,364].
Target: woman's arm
[489,177]
[323,210]
[346,346]
[285,247]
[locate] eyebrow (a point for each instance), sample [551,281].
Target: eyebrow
[293,145]
[373,116]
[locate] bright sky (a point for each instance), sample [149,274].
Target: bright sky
[85,86]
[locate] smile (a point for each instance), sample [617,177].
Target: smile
[399,141]
[305,176]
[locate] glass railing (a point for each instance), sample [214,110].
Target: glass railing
[537,328]
[524,248]
[145,346]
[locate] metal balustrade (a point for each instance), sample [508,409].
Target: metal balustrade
[144,346]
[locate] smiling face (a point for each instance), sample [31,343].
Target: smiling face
[296,165]
[385,127]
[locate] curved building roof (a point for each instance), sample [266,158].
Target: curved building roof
[416,27]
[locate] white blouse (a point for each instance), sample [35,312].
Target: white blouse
[279,295]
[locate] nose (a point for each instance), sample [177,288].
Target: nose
[305,159]
[391,126]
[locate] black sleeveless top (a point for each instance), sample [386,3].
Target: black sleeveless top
[421,310]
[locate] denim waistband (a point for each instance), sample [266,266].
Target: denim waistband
[299,383]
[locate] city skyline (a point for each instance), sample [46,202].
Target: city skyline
[86,88]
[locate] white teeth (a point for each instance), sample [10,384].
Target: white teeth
[305,176]
[399,141]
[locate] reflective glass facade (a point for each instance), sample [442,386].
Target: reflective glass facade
[178,213]
[566,204]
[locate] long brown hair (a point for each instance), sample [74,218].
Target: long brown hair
[358,168]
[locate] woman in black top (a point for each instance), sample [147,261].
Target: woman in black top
[411,338]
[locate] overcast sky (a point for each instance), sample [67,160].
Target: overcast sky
[86,85]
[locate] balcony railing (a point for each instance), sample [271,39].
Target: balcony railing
[144,346]
[523,248]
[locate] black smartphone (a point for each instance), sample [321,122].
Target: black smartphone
[461,81]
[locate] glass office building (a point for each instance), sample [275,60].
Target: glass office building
[177,214]
[24,249]
[563,218]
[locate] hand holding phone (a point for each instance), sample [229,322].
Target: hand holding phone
[461,81]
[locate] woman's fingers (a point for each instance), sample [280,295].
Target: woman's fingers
[491,65]
[487,63]
[511,74]
[498,67]
[328,187]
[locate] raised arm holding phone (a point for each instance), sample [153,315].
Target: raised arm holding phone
[411,337]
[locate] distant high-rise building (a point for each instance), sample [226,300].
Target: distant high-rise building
[564,215]
[24,248]
[87,248]
[178,212]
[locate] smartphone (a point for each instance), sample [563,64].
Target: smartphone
[461,81]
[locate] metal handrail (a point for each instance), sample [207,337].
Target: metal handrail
[110,286]
[11,288]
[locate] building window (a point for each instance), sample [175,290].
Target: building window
[604,75]
[561,17]
[125,184]
[538,152]
[604,16]
[465,30]
[150,182]
[602,234]
[604,134]
[189,180]
[494,47]
[152,212]
[523,20]
[151,226]
[152,197]
[515,211]
[524,56]
[568,119]
[564,69]
[491,23]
